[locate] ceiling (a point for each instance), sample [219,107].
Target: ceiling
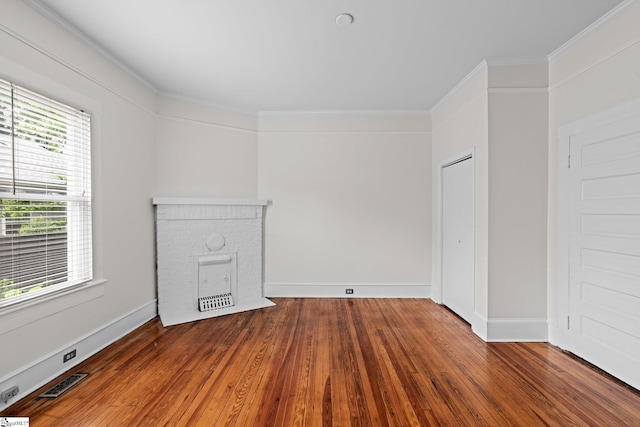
[285,55]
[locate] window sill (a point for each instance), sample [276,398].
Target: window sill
[22,313]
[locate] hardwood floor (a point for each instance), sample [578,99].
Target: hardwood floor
[332,362]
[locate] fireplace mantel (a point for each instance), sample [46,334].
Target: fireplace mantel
[205,201]
[209,254]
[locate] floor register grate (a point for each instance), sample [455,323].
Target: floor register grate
[215,302]
[63,385]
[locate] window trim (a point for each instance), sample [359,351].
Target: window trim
[71,124]
[17,315]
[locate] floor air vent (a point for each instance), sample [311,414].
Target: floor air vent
[215,302]
[63,385]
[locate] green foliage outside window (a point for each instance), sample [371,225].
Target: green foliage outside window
[35,217]
[7,289]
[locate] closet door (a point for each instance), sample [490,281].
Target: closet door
[458,238]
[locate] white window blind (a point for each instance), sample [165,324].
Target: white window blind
[45,195]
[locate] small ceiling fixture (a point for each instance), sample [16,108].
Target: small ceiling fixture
[344,19]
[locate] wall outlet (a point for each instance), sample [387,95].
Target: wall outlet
[69,356]
[8,394]
[349,291]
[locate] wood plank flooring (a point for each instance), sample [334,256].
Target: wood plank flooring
[332,362]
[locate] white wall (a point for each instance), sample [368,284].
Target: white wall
[499,113]
[518,128]
[597,71]
[352,193]
[37,54]
[351,198]
[204,151]
[460,125]
[518,205]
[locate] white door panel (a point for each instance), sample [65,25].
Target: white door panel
[457,238]
[604,247]
[611,224]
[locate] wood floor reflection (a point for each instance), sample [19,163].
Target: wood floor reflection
[333,362]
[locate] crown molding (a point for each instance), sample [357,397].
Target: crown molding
[592,28]
[518,90]
[481,66]
[530,60]
[52,16]
[344,112]
[207,103]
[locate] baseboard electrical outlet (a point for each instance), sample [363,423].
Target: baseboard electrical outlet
[8,394]
[69,356]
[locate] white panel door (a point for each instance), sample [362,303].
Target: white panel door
[604,248]
[457,238]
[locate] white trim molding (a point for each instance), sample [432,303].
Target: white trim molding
[559,337]
[592,28]
[511,329]
[523,60]
[25,312]
[38,373]
[501,90]
[479,325]
[205,201]
[339,112]
[345,132]
[481,66]
[339,290]
[596,62]
[602,118]
[39,7]
[207,123]
[86,75]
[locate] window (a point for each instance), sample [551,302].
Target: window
[45,195]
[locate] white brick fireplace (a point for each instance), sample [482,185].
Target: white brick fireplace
[209,257]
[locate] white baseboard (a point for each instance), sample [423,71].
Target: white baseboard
[35,375]
[338,290]
[479,326]
[175,317]
[559,337]
[511,330]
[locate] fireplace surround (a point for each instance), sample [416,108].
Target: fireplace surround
[209,257]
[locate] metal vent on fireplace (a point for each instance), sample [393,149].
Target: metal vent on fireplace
[215,302]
